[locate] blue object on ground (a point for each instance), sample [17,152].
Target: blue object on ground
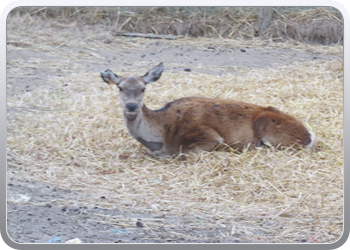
[120,231]
[57,239]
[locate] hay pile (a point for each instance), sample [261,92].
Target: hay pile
[320,25]
[69,132]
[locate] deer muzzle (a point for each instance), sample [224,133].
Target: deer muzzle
[131,107]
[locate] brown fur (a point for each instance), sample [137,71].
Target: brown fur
[197,123]
[204,123]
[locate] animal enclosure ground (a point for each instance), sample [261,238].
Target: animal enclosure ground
[74,172]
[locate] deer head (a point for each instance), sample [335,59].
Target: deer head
[132,89]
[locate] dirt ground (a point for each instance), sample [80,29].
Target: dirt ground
[43,220]
[206,59]
[36,211]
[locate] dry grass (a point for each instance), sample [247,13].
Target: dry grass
[319,25]
[74,137]
[315,25]
[70,133]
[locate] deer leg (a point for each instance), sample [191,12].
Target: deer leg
[200,138]
[160,152]
[191,140]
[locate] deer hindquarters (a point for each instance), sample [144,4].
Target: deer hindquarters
[280,129]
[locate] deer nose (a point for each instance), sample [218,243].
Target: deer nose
[131,107]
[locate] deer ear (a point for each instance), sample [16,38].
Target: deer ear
[154,74]
[109,77]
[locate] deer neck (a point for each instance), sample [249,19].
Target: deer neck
[146,128]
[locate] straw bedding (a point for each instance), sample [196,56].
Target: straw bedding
[70,133]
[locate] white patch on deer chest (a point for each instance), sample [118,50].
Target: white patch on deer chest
[144,132]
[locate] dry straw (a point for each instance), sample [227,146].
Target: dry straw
[70,133]
[314,24]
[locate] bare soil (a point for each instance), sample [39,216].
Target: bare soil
[208,59]
[45,218]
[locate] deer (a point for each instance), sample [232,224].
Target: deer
[191,124]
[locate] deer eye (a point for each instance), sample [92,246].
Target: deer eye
[120,89]
[143,90]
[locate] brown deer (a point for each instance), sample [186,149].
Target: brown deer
[198,123]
